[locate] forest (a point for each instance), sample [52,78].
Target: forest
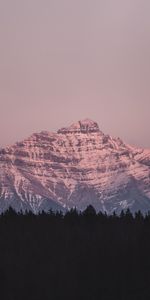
[79,255]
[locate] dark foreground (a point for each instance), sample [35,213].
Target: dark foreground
[74,257]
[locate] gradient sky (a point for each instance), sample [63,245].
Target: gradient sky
[65,60]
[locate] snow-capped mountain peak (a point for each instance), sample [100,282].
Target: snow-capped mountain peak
[83,126]
[77,166]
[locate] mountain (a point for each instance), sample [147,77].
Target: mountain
[77,166]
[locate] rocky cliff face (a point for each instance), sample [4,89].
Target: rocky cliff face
[75,167]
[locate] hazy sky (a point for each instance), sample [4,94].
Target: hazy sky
[65,60]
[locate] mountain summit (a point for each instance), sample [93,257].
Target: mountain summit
[77,166]
[84,126]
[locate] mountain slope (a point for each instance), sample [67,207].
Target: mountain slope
[77,166]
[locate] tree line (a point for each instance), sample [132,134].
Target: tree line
[76,255]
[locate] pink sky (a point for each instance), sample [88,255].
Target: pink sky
[65,60]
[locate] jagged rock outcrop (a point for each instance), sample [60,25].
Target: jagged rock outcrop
[77,166]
